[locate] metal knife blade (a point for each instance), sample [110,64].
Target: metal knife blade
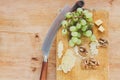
[51,33]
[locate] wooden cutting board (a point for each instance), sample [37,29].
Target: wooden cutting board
[77,73]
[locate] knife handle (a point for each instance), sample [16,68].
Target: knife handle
[43,75]
[79,3]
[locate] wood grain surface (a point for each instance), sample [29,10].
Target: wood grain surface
[23,26]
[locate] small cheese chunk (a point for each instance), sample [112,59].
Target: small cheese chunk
[76,50]
[101,29]
[68,61]
[60,49]
[93,48]
[98,22]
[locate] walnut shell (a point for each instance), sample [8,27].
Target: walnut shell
[103,42]
[89,63]
[83,52]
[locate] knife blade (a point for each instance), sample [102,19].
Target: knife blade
[51,34]
[49,39]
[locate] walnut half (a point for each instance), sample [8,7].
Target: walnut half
[82,51]
[89,63]
[103,42]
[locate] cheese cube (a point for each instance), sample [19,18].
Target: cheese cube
[101,28]
[98,22]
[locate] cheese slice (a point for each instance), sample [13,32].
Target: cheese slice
[68,61]
[60,49]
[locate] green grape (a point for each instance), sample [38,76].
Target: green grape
[79,10]
[93,38]
[78,25]
[83,22]
[88,33]
[84,28]
[75,19]
[64,23]
[73,28]
[74,39]
[79,35]
[73,13]
[68,15]
[90,25]
[84,33]
[64,31]
[71,43]
[85,11]
[70,23]
[78,42]
[88,15]
[77,14]
[89,19]
[80,19]
[75,34]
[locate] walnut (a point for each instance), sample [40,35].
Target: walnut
[82,51]
[103,42]
[89,63]
[84,63]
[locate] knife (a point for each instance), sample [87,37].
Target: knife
[51,34]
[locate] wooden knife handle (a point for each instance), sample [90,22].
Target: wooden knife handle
[79,3]
[43,75]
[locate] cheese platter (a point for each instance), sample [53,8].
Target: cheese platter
[82,46]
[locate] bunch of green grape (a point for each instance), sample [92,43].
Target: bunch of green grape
[77,24]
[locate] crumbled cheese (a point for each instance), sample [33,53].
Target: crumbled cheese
[98,22]
[101,29]
[93,48]
[68,61]
[76,50]
[60,49]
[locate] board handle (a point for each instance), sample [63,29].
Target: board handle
[43,75]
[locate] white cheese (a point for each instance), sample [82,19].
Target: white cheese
[94,48]
[101,29]
[68,61]
[98,22]
[76,50]
[60,49]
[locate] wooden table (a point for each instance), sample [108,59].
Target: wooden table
[23,26]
